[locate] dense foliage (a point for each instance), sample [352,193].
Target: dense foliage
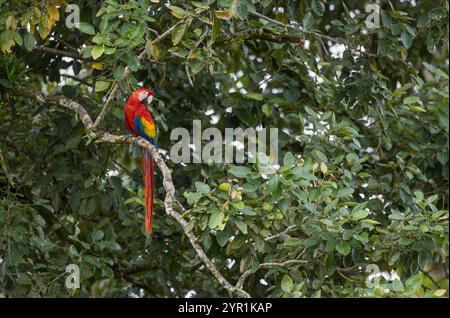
[363,127]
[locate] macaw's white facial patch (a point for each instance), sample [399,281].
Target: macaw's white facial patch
[142,96]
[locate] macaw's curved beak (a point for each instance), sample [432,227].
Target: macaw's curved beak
[149,99]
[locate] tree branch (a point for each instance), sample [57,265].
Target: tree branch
[58,52]
[288,229]
[166,173]
[5,168]
[260,34]
[77,79]
[294,27]
[241,281]
[304,31]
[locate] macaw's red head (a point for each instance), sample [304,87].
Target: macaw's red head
[141,96]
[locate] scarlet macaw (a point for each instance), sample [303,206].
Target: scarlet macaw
[139,122]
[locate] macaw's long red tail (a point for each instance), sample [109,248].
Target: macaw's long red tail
[148,171]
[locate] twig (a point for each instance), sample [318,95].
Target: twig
[52,281]
[260,34]
[69,46]
[293,27]
[343,276]
[5,168]
[391,5]
[75,78]
[431,278]
[241,281]
[58,52]
[288,229]
[189,75]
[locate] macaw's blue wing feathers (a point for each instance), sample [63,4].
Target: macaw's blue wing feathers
[145,128]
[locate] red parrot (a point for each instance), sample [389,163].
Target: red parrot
[139,122]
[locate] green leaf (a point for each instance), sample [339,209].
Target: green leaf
[405,241]
[44,245]
[100,86]
[241,226]
[308,21]
[318,7]
[217,24]
[287,284]
[360,214]
[301,195]
[256,96]
[178,33]
[274,186]
[289,159]
[321,156]
[97,51]
[5,83]
[241,8]
[202,187]
[406,38]
[240,171]
[72,142]
[413,283]
[442,157]
[440,74]
[248,211]
[386,18]
[292,242]
[346,192]
[86,28]
[439,292]
[222,238]
[177,12]
[193,197]
[396,216]
[199,4]
[132,62]
[343,248]
[326,222]
[238,205]
[97,235]
[29,41]
[215,219]
[397,285]
[110,50]
[119,72]
[411,100]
